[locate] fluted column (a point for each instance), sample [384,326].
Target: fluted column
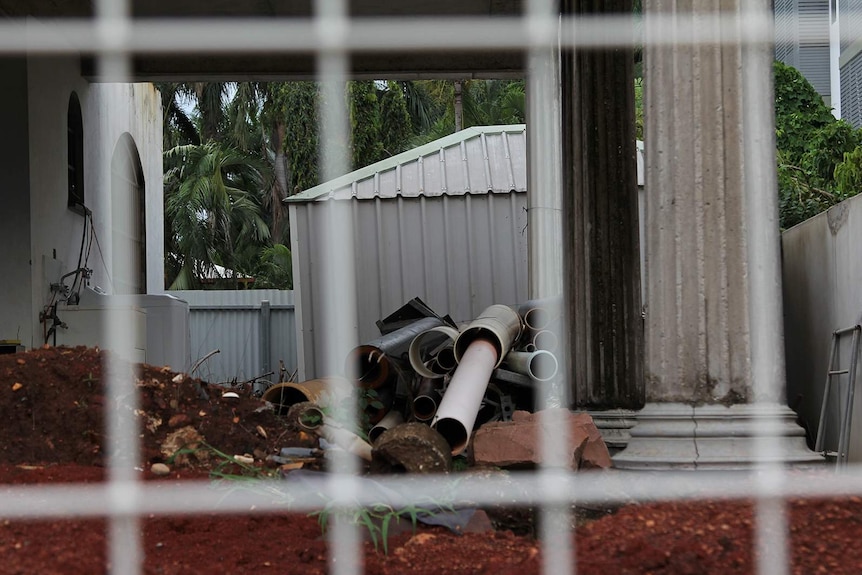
[600,224]
[700,392]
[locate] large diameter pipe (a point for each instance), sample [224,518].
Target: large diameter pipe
[498,324]
[463,398]
[325,392]
[540,365]
[428,345]
[372,361]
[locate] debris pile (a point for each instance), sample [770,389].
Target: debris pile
[426,384]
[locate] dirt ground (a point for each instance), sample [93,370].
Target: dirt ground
[51,404]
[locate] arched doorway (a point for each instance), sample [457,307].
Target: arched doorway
[128,219]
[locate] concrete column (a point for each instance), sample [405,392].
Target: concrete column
[600,221]
[703,403]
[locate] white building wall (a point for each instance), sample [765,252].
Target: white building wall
[15,283]
[109,111]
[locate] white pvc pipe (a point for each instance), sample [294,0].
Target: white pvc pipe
[389,421]
[346,440]
[499,324]
[457,412]
[425,346]
[540,365]
[545,339]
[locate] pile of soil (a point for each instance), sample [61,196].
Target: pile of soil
[52,403]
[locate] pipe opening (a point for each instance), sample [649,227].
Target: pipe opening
[454,432]
[545,340]
[424,407]
[283,396]
[446,359]
[372,366]
[310,419]
[537,318]
[470,335]
[543,366]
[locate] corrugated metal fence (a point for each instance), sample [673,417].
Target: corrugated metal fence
[253,330]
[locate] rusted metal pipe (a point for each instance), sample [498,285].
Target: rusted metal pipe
[372,361]
[427,346]
[325,391]
[425,400]
[463,398]
[540,365]
[498,324]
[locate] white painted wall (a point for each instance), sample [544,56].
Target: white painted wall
[15,304]
[822,275]
[109,111]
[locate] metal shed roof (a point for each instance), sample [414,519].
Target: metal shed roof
[476,160]
[488,159]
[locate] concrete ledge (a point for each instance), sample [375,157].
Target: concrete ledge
[680,436]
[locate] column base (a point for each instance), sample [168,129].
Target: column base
[680,436]
[615,426]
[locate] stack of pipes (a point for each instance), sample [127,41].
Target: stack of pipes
[431,372]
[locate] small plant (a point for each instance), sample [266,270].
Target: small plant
[376,518]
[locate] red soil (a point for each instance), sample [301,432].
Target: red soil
[51,407]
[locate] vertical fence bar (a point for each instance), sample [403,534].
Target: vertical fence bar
[265,337]
[339,277]
[546,265]
[125,553]
[764,272]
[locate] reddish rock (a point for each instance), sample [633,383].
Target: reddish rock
[516,443]
[179,420]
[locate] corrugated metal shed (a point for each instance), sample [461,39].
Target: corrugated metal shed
[251,337]
[479,160]
[445,222]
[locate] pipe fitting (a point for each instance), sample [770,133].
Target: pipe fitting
[498,324]
[428,346]
[540,365]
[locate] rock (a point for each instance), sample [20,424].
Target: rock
[516,443]
[411,447]
[160,469]
[186,438]
[179,420]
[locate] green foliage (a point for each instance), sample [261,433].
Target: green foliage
[397,128]
[376,518]
[235,151]
[799,111]
[817,155]
[211,210]
[366,146]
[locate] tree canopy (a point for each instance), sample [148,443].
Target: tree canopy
[819,159]
[235,151]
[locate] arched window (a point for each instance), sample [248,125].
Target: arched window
[75,148]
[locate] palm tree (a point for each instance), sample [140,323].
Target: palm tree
[211,207]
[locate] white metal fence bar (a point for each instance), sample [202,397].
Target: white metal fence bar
[381,34]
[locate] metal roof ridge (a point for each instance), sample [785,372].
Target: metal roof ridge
[325,188]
